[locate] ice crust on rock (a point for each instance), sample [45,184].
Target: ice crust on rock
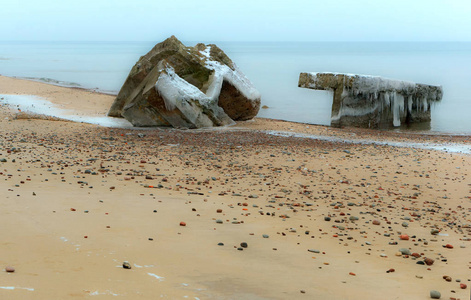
[178,93]
[234,76]
[373,101]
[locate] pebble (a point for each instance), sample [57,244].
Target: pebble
[376,222]
[265,236]
[405,251]
[327,219]
[404,237]
[463,286]
[126,265]
[447,278]
[244,245]
[435,294]
[9,269]
[391,271]
[429,261]
[182,224]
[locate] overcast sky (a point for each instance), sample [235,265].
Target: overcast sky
[239,20]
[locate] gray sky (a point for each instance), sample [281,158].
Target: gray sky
[239,20]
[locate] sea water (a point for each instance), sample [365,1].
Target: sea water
[273,68]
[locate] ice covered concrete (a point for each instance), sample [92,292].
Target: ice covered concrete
[372,101]
[190,87]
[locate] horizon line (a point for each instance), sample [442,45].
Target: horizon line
[226,41]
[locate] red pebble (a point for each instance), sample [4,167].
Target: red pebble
[390,271]
[353,274]
[463,286]
[182,224]
[428,261]
[72,209]
[449,246]
[10,269]
[404,237]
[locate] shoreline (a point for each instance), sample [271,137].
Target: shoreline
[397,131]
[321,219]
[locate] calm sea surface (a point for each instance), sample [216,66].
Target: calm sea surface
[273,67]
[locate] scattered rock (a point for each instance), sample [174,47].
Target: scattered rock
[182,224]
[435,294]
[9,269]
[405,251]
[404,237]
[447,278]
[126,265]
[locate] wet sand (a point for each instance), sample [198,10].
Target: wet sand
[78,200]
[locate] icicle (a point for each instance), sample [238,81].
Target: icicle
[398,108]
[425,103]
[409,104]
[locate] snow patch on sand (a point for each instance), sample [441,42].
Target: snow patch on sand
[37,105]
[108,292]
[156,276]
[445,147]
[16,288]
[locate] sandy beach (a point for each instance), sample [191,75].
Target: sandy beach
[272,209]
